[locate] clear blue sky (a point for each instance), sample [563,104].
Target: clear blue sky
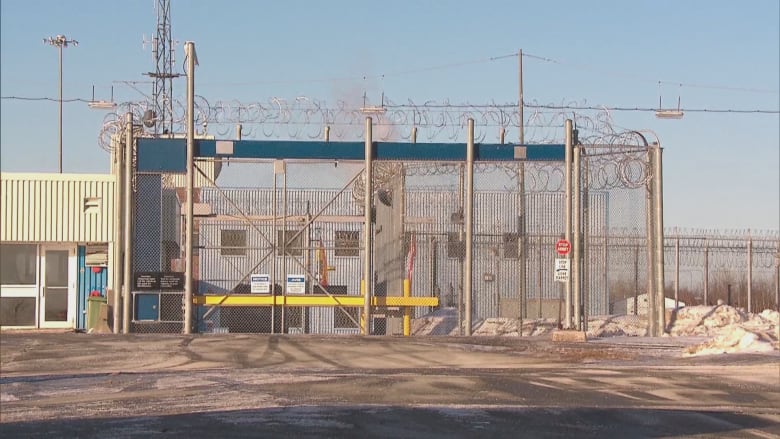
[720,170]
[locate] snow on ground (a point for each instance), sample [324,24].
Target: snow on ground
[729,329]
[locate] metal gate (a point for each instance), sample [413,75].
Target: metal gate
[281,231]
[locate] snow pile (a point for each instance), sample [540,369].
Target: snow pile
[443,321]
[705,320]
[736,340]
[616,326]
[731,329]
[734,330]
[511,327]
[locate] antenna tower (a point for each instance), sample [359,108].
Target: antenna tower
[163,52]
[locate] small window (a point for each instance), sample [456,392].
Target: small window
[232,242]
[294,244]
[18,263]
[92,204]
[510,245]
[347,243]
[341,318]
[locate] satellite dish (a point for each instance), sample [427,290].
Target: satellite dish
[150,118]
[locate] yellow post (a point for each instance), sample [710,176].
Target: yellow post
[407,309]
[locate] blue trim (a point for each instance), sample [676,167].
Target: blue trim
[162,155]
[170,155]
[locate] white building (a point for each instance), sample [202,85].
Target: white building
[56,241]
[627,306]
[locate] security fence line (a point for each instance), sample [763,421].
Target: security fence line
[255,267]
[510,268]
[608,255]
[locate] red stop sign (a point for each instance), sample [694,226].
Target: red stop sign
[563,247]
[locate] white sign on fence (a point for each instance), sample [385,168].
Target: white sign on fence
[296,284]
[562,269]
[260,283]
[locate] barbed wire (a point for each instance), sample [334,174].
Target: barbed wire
[306,118]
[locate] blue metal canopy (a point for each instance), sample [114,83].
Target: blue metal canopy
[170,155]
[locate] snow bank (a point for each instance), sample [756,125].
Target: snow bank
[731,329]
[736,340]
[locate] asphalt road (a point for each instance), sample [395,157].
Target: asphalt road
[167,386]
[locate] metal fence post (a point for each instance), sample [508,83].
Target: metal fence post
[116,269]
[576,241]
[706,273]
[658,213]
[128,224]
[750,273]
[567,214]
[469,220]
[367,204]
[650,248]
[189,221]
[677,271]
[777,281]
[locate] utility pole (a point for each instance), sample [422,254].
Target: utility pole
[59,42]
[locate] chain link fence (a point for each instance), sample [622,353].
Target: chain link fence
[279,245]
[737,267]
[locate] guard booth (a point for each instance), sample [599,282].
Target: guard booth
[56,242]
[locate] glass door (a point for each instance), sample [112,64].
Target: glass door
[57,287]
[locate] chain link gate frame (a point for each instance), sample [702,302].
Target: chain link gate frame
[492,245]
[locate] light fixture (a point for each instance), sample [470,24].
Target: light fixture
[59,42]
[102,105]
[668,113]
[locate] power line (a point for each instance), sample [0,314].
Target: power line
[497,106]
[371,77]
[585,107]
[654,81]
[25,98]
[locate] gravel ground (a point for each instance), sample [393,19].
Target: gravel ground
[85,385]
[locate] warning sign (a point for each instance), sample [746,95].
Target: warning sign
[260,283]
[562,266]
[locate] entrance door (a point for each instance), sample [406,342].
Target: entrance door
[58,287]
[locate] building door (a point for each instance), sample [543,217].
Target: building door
[58,287]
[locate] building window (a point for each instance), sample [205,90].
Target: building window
[341,319]
[294,244]
[17,311]
[18,263]
[232,242]
[347,243]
